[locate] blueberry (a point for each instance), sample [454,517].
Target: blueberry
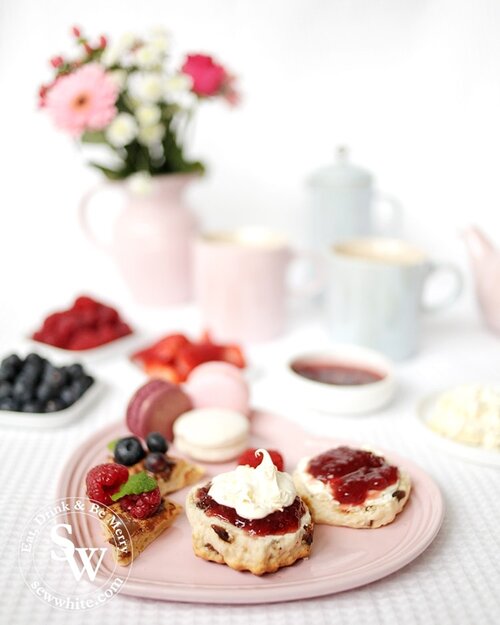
[44,392]
[156,442]
[54,378]
[9,403]
[22,391]
[8,372]
[31,406]
[128,451]
[29,374]
[54,405]
[68,396]
[81,385]
[155,462]
[13,362]
[76,371]
[5,389]
[35,359]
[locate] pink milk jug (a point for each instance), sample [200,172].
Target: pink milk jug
[152,237]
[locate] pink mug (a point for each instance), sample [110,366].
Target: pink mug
[240,283]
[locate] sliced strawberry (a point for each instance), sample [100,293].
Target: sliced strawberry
[193,355]
[206,338]
[167,348]
[161,371]
[233,355]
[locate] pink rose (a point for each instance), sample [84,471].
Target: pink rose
[208,76]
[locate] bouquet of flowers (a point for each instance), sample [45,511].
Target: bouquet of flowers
[128,97]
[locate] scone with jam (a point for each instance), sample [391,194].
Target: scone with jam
[250,519]
[352,488]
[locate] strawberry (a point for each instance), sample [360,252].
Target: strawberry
[248,457]
[163,372]
[190,356]
[233,355]
[167,348]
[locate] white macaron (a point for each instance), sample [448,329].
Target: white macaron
[211,434]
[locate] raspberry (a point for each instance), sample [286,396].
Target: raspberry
[142,506]
[104,480]
[248,457]
[84,302]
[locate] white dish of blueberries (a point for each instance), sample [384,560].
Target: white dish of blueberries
[37,393]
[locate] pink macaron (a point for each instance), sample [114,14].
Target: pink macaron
[218,385]
[155,406]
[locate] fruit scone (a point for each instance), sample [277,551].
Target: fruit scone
[170,472]
[132,511]
[250,519]
[352,488]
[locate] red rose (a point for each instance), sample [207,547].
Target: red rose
[208,77]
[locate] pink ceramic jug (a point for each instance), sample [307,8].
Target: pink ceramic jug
[152,238]
[485,259]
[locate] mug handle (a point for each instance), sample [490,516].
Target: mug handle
[389,214]
[311,286]
[451,297]
[83,216]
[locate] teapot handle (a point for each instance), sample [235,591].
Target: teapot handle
[455,289]
[83,217]
[389,218]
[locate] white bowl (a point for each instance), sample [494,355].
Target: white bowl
[470,453]
[344,399]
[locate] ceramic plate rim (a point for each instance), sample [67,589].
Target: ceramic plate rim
[469,453]
[275,591]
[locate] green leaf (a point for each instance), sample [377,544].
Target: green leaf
[112,444]
[111,174]
[136,485]
[93,136]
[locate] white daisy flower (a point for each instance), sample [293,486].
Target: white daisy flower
[177,90]
[146,87]
[122,130]
[119,77]
[148,114]
[148,56]
[113,54]
[151,135]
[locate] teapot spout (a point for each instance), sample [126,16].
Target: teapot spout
[478,244]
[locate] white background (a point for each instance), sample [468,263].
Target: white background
[413,86]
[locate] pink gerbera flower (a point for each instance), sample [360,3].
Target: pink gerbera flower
[83,100]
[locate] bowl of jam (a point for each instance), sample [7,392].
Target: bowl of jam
[346,379]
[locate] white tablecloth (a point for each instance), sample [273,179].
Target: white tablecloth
[456,581]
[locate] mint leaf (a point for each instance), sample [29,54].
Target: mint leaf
[112,444]
[136,485]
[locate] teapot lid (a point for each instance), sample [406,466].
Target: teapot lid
[341,174]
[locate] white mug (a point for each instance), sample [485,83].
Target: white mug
[374,295]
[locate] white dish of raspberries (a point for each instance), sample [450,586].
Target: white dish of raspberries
[36,393]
